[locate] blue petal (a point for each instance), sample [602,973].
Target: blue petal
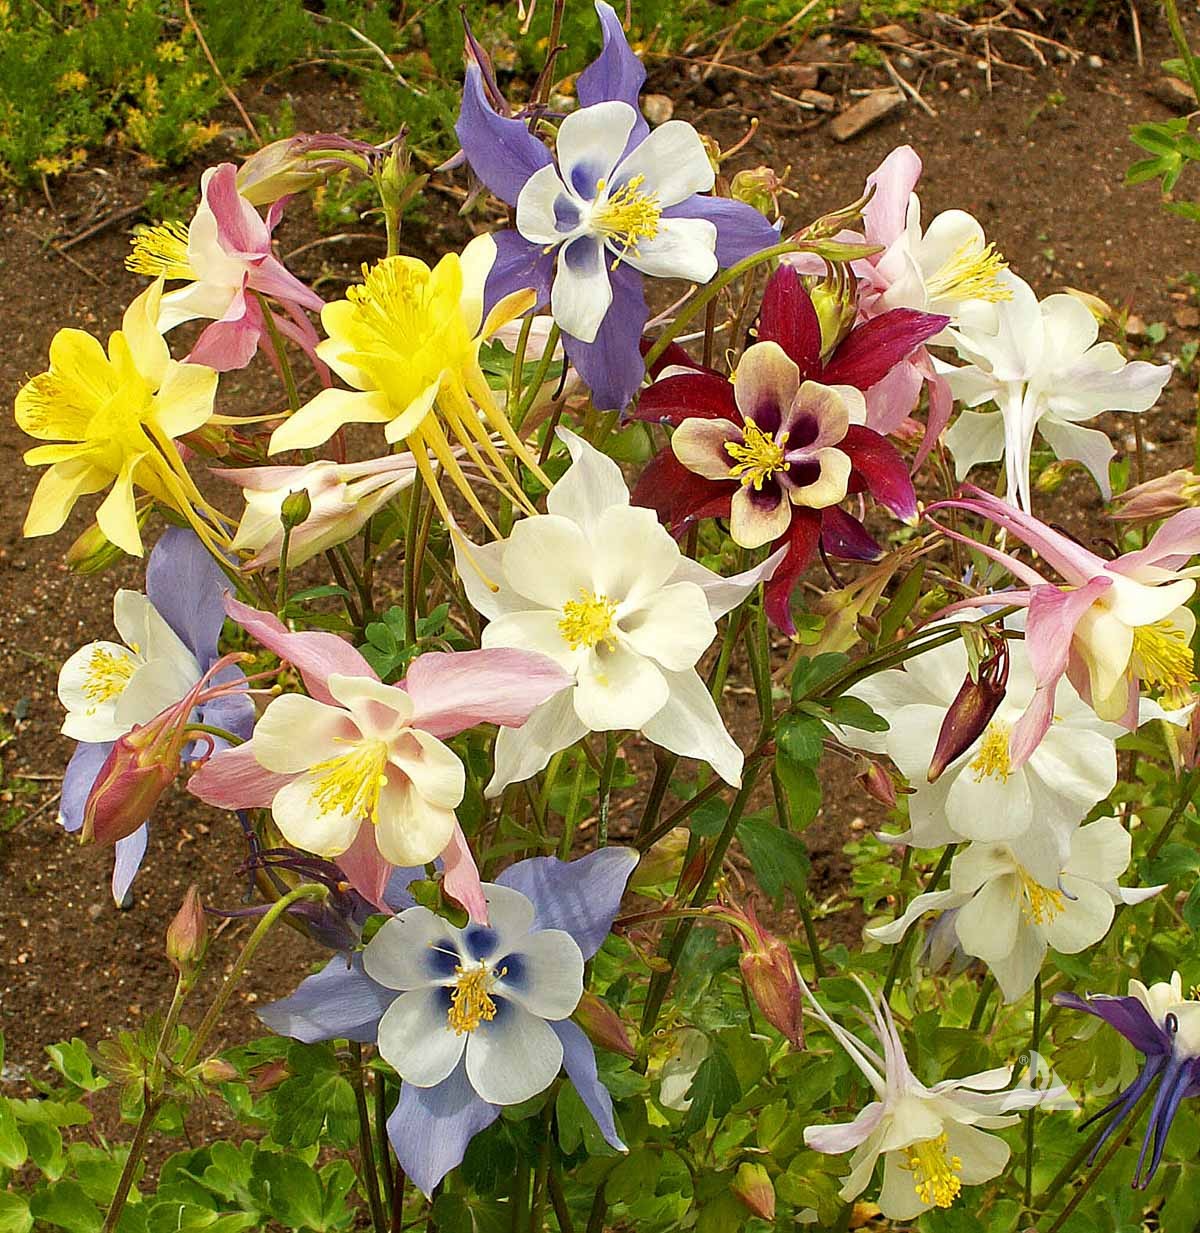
[741,230]
[431,1127]
[341,1000]
[233,712]
[81,773]
[519,264]
[129,854]
[579,1061]
[615,74]
[503,153]
[186,586]
[612,367]
[395,894]
[581,897]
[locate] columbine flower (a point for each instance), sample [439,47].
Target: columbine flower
[1114,625]
[619,201]
[1008,916]
[777,448]
[407,340]
[932,1139]
[169,643]
[983,794]
[342,495]
[1165,1026]
[1040,363]
[225,255]
[473,1019]
[117,417]
[601,588]
[359,770]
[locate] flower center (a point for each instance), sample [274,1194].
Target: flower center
[935,1173]
[471,1001]
[161,250]
[758,456]
[628,216]
[350,783]
[107,675]
[588,621]
[992,758]
[970,273]
[394,301]
[1163,658]
[1041,904]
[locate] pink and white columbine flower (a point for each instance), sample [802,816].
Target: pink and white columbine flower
[933,1140]
[225,254]
[358,771]
[1109,627]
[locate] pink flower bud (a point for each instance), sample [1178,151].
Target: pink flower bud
[604,1027]
[972,709]
[752,1184]
[876,782]
[770,974]
[1159,497]
[217,1070]
[187,934]
[126,791]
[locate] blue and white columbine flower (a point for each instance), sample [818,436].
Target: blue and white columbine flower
[477,1018]
[619,202]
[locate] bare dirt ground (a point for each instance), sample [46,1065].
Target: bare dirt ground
[1040,161]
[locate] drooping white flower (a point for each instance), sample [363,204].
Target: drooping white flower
[1039,362]
[599,586]
[933,1140]
[1009,918]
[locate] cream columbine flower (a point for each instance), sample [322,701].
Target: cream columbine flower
[1008,917]
[932,1139]
[602,589]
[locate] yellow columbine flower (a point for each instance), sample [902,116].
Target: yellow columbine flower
[115,418]
[407,340]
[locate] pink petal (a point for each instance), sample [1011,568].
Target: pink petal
[461,879]
[271,278]
[240,230]
[941,408]
[1172,547]
[233,779]
[454,691]
[893,180]
[316,655]
[226,345]
[1016,567]
[365,868]
[891,400]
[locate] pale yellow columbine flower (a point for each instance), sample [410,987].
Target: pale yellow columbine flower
[407,340]
[114,418]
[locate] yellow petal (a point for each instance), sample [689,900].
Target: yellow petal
[56,494]
[140,327]
[477,260]
[117,515]
[411,418]
[184,401]
[508,309]
[319,419]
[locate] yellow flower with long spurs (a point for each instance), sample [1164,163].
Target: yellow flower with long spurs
[407,340]
[114,419]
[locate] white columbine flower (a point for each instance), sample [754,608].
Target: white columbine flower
[1042,367]
[933,1140]
[601,588]
[981,796]
[1007,917]
[107,687]
[489,991]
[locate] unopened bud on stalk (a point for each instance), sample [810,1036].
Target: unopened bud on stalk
[187,934]
[1053,477]
[217,1070]
[662,862]
[836,310]
[295,509]
[604,1027]
[876,782]
[689,879]
[972,709]
[296,164]
[136,773]
[759,188]
[93,552]
[1159,497]
[752,1185]
[768,970]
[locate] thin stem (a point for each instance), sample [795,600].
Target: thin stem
[366,1144]
[558,1200]
[281,580]
[985,992]
[902,946]
[150,1106]
[411,580]
[1181,44]
[213,730]
[599,1211]
[381,1140]
[611,745]
[1187,788]
[1034,1044]
[517,418]
[277,345]
[571,820]
[519,1197]
[664,769]
[541,1175]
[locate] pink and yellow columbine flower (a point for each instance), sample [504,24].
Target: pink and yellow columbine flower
[1110,627]
[113,420]
[406,340]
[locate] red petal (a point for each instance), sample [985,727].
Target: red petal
[679,496]
[870,351]
[801,539]
[672,400]
[674,356]
[788,318]
[880,468]
[842,535]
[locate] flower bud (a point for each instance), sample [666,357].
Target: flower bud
[1159,497]
[187,934]
[1053,477]
[604,1027]
[759,188]
[836,309]
[295,509]
[93,552]
[300,162]
[217,1070]
[972,710]
[752,1184]
[126,790]
[769,972]
[876,782]
[662,862]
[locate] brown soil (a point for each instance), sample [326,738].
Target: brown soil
[1039,161]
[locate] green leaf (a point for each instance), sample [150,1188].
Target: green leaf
[809,674]
[73,1060]
[714,1090]
[852,712]
[14,1213]
[901,604]
[778,857]
[288,1190]
[46,1149]
[66,1206]
[577,1127]
[317,1097]
[803,790]
[12,1143]
[800,738]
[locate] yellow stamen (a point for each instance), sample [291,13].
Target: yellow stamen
[1041,904]
[758,455]
[393,300]
[107,675]
[629,216]
[992,758]
[935,1174]
[588,621]
[1162,657]
[161,250]
[470,1001]
[350,783]
[970,273]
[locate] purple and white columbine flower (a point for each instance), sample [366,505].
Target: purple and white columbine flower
[170,641]
[1164,1025]
[619,202]
[476,1018]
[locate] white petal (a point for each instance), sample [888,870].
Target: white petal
[618,690]
[412,951]
[683,248]
[988,807]
[975,437]
[582,293]
[544,974]
[296,732]
[510,916]
[672,627]
[590,143]
[379,710]
[91,717]
[513,1056]
[416,1038]
[1086,445]
[672,161]
[548,560]
[538,220]
[590,485]
[537,631]
[304,822]
[933,901]
[411,830]
[987,926]
[1016,971]
[977,864]
[632,555]
[983,1156]
[690,725]
[1100,851]
[521,752]
[432,766]
[1085,918]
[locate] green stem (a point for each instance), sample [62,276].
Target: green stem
[1187,789]
[519,1197]
[571,820]
[802,903]
[150,1107]
[517,418]
[281,580]
[1035,1043]
[412,531]
[541,1176]
[514,380]
[277,345]
[902,946]
[664,769]
[1181,44]
[366,1143]
[213,730]
[381,1140]
[599,1211]
[611,744]
[985,992]
[558,1200]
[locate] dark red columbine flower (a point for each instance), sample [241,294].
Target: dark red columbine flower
[778,447]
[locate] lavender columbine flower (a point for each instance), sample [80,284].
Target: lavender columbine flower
[476,1018]
[1165,1026]
[170,636]
[619,202]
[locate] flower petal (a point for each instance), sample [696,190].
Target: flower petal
[590,143]
[618,690]
[682,248]
[579,1061]
[512,1057]
[672,626]
[502,152]
[415,950]
[544,974]
[520,753]
[582,293]
[416,1038]
[610,365]
[339,1001]
[765,384]
[690,725]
